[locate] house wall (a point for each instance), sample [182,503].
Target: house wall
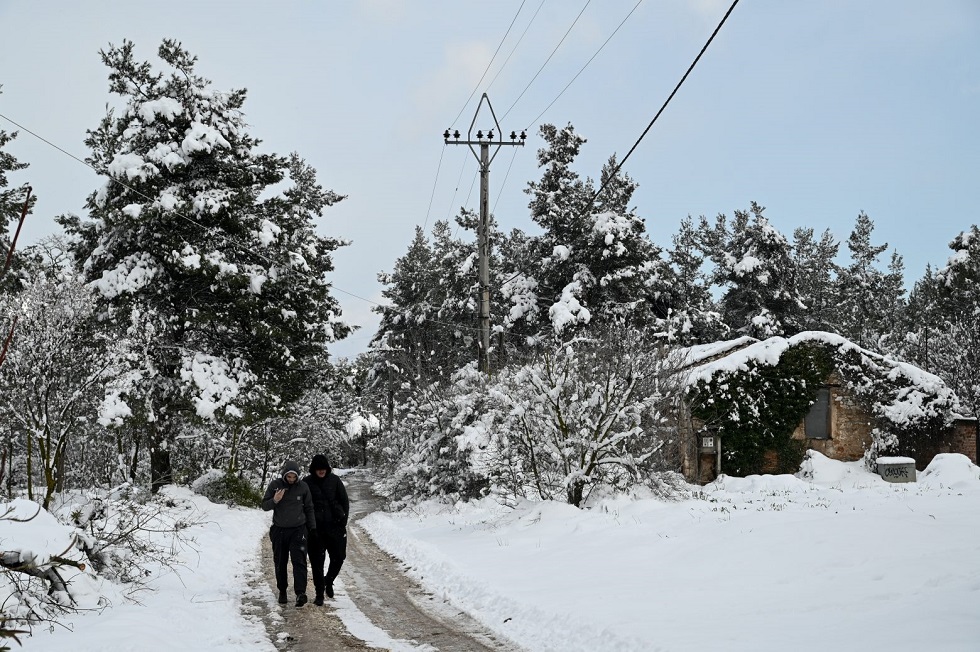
[850,437]
[961,438]
[850,427]
[964,439]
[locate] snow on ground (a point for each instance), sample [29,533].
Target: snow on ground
[200,606]
[196,607]
[834,559]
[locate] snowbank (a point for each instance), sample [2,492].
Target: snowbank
[196,607]
[757,563]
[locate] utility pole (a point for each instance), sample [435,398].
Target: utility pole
[485,141]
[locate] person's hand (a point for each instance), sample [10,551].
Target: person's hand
[311,534]
[278,495]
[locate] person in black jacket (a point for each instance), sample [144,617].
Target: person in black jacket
[330,507]
[291,503]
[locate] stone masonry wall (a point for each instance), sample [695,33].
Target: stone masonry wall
[850,428]
[965,438]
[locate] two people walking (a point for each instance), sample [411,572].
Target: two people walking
[309,517]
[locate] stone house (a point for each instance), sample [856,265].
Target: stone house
[840,424]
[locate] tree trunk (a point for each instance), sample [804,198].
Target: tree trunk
[161,468]
[575,491]
[30,468]
[134,460]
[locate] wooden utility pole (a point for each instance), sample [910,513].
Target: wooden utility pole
[485,141]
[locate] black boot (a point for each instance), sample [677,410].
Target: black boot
[300,599]
[329,589]
[318,600]
[282,597]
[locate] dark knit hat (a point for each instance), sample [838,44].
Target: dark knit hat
[319,462]
[290,466]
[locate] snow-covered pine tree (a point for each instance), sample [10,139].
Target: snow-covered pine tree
[754,262]
[458,292]
[923,327]
[956,353]
[594,263]
[815,262]
[403,336]
[694,318]
[868,301]
[430,327]
[221,283]
[11,205]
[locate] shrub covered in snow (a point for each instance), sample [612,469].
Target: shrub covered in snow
[579,417]
[228,488]
[428,453]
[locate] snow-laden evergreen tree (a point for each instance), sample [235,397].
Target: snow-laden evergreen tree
[430,327]
[924,328]
[868,301]
[594,263]
[405,332]
[815,261]
[11,206]
[428,454]
[216,277]
[755,266]
[955,354]
[694,317]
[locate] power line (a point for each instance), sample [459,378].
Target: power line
[669,98]
[532,123]
[405,312]
[434,183]
[477,87]
[547,60]
[226,237]
[452,202]
[504,182]
[467,201]
[514,49]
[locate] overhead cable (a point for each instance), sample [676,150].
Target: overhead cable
[475,88]
[612,174]
[227,238]
[547,60]
[514,49]
[532,123]
[434,183]
[669,98]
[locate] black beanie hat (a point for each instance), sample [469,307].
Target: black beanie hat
[319,462]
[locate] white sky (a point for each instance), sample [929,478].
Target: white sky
[815,110]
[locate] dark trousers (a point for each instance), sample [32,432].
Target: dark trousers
[289,543]
[332,542]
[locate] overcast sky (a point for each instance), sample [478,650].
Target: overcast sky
[816,110]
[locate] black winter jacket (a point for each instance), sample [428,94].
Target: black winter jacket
[330,503]
[296,507]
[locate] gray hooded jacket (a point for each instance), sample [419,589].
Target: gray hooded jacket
[296,507]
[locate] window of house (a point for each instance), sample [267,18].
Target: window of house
[817,422]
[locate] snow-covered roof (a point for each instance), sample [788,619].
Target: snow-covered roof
[768,352]
[916,393]
[695,355]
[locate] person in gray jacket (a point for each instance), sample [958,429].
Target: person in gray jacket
[291,504]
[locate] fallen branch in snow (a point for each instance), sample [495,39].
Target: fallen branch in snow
[11,560]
